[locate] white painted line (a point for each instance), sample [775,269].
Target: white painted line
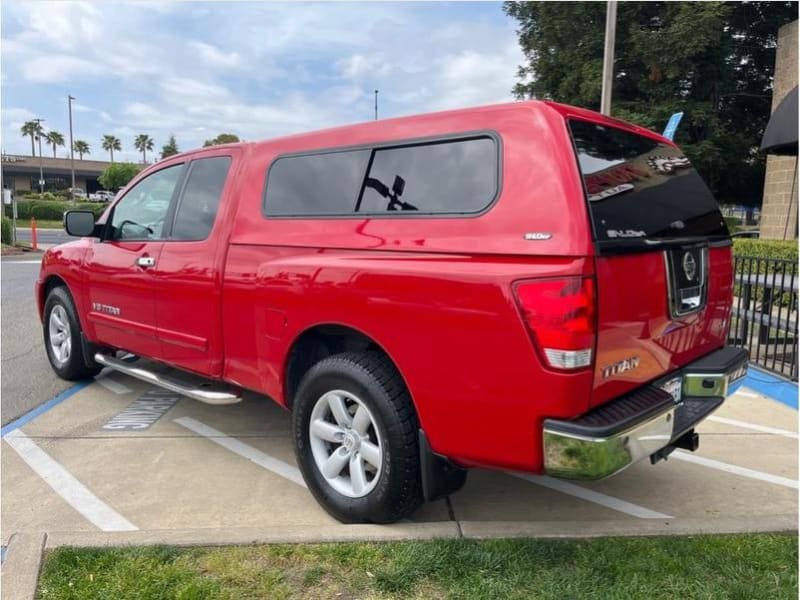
[754,427]
[22,262]
[111,385]
[74,493]
[254,455]
[734,469]
[583,493]
[742,392]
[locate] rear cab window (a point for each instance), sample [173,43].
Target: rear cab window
[441,177]
[640,190]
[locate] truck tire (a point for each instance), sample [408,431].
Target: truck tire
[356,441]
[62,338]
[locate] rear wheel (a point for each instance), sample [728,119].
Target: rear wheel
[62,337]
[355,433]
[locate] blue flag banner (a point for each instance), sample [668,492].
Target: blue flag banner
[672,125]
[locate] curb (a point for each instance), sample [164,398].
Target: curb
[20,569]
[25,550]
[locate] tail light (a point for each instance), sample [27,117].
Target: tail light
[560,315]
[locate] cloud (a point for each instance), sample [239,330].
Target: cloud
[213,56]
[273,69]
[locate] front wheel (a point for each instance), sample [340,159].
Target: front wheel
[62,337]
[355,433]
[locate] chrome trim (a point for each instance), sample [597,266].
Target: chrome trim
[578,457]
[713,384]
[208,396]
[674,307]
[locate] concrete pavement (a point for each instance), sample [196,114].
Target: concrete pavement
[206,468]
[184,473]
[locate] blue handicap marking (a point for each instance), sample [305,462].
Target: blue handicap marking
[672,125]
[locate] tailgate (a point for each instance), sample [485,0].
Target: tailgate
[663,263]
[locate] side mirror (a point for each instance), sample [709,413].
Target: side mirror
[79,223]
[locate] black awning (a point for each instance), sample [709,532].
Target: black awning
[780,136]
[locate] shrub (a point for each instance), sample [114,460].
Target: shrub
[5,231]
[767,257]
[53,210]
[758,248]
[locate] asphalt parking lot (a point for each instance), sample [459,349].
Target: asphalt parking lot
[117,455]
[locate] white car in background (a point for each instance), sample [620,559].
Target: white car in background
[102,196]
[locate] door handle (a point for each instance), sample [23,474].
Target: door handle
[146,261]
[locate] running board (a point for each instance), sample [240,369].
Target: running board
[206,395]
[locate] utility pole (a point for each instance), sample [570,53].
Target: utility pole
[376,105]
[41,167]
[71,144]
[608,57]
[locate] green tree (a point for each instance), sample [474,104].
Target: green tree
[55,139]
[222,138]
[170,148]
[31,128]
[111,143]
[712,60]
[118,175]
[143,143]
[81,148]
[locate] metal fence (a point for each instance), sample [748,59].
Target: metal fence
[764,316]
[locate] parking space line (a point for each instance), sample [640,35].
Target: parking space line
[111,385]
[583,493]
[754,427]
[735,469]
[63,483]
[745,394]
[254,455]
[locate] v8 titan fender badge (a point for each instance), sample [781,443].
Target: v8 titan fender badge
[620,367]
[689,266]
[105,308]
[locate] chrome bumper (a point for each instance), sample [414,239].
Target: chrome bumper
[619,433]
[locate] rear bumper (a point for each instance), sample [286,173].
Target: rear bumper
[640,424]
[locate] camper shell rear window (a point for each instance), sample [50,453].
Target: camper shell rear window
[641,190]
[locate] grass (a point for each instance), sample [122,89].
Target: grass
[737,566]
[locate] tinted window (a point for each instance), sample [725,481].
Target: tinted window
[316,184]
[639,188]
[199,203]
[141,213]
[447,177]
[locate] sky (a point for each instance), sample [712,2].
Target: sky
[259,70]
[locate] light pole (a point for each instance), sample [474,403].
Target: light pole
[41,167]
[376,105]
[608,57]
[71,145]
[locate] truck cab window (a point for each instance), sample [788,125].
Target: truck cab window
[142,212]
[197,208]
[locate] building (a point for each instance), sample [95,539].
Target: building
[21,173]
[779,208]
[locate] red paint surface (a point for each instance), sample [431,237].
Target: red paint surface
[434,293]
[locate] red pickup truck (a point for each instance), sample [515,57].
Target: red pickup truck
[527,286]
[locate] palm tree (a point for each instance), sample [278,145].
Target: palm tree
[111,143]
[55,139]
[81,148]
[143,143]
[31,128]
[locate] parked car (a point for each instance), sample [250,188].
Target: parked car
[76,192]
[102,196]
[529,287]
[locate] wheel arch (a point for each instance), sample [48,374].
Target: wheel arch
[326,339]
